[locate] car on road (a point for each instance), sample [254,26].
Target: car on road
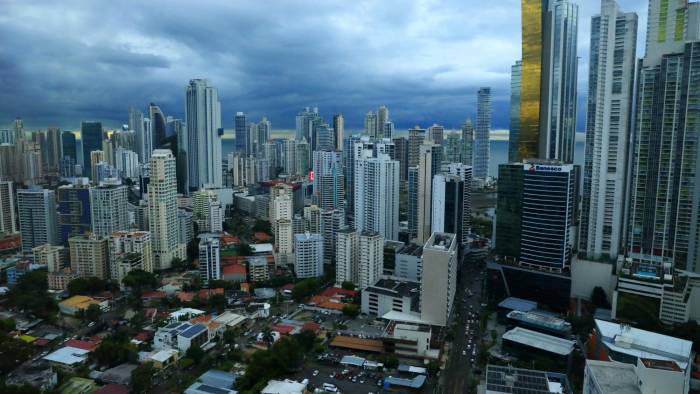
[331,388]
[315,373]
[464,352]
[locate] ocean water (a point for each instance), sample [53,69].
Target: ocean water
[499,153]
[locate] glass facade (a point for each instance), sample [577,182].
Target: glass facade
[532,24]
[515,80]
[508,211]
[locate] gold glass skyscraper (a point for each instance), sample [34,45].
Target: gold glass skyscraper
[532,21]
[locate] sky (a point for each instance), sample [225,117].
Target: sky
[68,61]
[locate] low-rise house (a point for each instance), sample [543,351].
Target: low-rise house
[78,385]
[286,386]
[161,359]
[67,358]
[77,303]
[37,374]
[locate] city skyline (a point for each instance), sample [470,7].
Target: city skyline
[337,70]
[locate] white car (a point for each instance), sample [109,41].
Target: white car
[464,353]
[315,373]
[331,388]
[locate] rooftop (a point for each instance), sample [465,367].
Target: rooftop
[541,341]
[645,344]
[286,386]
[201,388]
[68,355]
[440,241]
[518,304]
[411,249]
[164,355]
[394,288]
[540,319]
[194,330]
[612,377]
[217,378]
[261,248]
[525,381]
[415,383]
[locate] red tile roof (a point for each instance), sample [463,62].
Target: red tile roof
[311,326]
[332,291]
[283,329]
[233,269]
[153,295]
[88,345]
[262,237]
[112,389]
[206,293]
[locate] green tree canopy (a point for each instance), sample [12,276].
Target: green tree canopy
[348,285]
[142,378]
[304,288]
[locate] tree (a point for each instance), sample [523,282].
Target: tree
[142,378]
[599,299]
[139,280]
[31,294]
[195,353]
[217,302]
[7,325]
[347,285]
[93,312]
[306,340]
[304,288]
[87,286]
[245,250]
[351,310]
[113,351]
[267,336]
[13,352]
[262,226]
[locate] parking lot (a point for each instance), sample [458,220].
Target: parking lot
[353,381]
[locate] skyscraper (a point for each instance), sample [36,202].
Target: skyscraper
[36,210]
[371,124]
[8,216]
[308,252]
[439,278]
[264,130]
[468,143]
[304,123]
[162,209]
[449,207]
[377,195]
[240,126]
[665,200]
[608,131]
[412,209]
[108,203]
[54,150]
[158,126]
[69,146]
[142,134]
[331,222]
[453,148]
[382,121]
[91,136]
[329,183]
[129,250]
[401,155]
[203,118]
[428,167]
[416,138]
[436,133]
[482,149]
[539,202]
[548,80]
[338,131]
[74,212]
[513,137]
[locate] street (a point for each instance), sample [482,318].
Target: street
[458,372]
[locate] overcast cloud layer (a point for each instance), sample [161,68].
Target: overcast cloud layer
[63,62]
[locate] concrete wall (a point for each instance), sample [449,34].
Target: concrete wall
[586,275]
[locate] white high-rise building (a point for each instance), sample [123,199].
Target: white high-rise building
[439,278]
[608,131]
[127,163]
[142,134]
[308,252]
[209,257]
[162,209]
[8,217]
[332,221]
[370,259]
[89,256]
[208,212]
[109,208]
[382,121]
[346,257]
[377,195]
[281,215]
[371,124]
[428,166]
[203,118]
[482,149]
[36,210]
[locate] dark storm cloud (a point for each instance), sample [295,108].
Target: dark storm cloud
[63,62]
